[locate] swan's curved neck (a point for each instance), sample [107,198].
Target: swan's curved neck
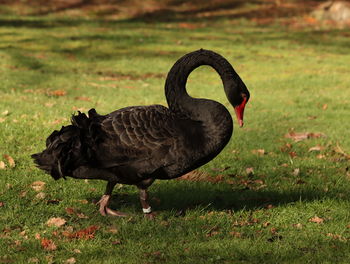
[175,86]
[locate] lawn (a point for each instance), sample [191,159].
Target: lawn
[278,192]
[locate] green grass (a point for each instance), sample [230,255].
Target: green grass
[262,217]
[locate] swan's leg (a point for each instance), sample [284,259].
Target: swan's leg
[146,208]
[104,209]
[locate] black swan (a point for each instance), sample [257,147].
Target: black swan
[138,144]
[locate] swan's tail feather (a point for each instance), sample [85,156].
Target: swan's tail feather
[67,149]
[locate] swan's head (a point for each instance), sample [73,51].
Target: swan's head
[238,95]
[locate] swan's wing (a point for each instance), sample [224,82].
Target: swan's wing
[139,137]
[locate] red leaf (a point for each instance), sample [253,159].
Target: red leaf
[48,244]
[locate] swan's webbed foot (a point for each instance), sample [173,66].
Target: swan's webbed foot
[105,210]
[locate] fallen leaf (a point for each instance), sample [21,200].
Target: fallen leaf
[320,156]
[2,165]
[303,135]
[340,151]
[38,185]
[298,226]
[5,113]
[70,210]
[2,120]
[187,25]
[56,221]
[57,93]
[48,244]
[37,236]
[113,230]
[49,104]
[70,261]
[259,151]
[286,147]
[337,237]
[325,106]
[40,196]
[10,160]
[293,154]
[316,148]
[296,172]
[266,224]
[77,251]
[116,242]
[84,201]
[87,233]
[82,216]
[317,220]
[2,204]
[33,260]
[82,98]
[249,171]
[236,234]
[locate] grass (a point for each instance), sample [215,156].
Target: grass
[298,78]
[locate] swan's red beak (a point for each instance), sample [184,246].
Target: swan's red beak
[239,109]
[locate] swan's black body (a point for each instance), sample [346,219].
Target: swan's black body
[138,144]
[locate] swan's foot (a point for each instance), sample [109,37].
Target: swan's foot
[105,210]
[146,208]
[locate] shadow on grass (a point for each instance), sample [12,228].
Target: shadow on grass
[183,196]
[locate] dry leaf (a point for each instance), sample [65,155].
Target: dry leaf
[293,154]
[37,236]
[303,135]
[87,233]
[320,156]
[82,98]
[33,260]
[40,196]
[57,93]
[266,224]
[38,185]
[187,25]
[10,160]
[77,251]
[296,172]
[249,171]
[5,113]
[56,221]
[82,216]
[236,234]
[84,201]
[298,226]
[48,244]
[325,106]
[317,220]
[2,119]
[2,165]
[49,104]
[70,261]
[116,242]
[337,237]
[316,148]
[2,204]
[339,150]
[259,151]
[70,210]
